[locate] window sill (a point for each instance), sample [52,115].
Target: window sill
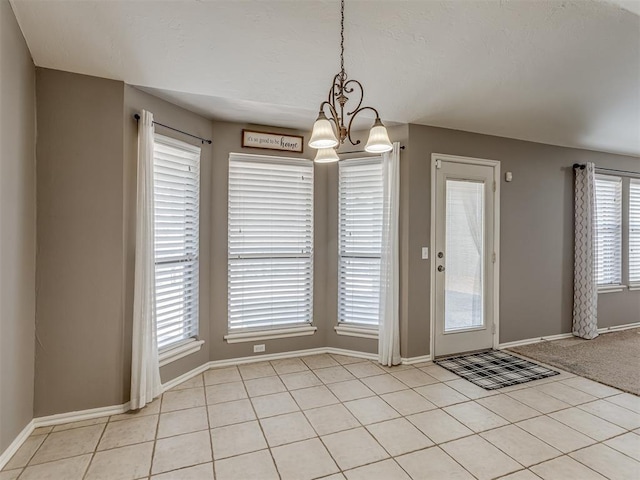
[611,288]
[356,331]
[181,350]
[270,334]
[634,287]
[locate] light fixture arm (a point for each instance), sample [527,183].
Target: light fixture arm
[336,105]
[354,115]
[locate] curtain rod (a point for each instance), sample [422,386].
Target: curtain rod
[582,166]
[203,140]
[402,147]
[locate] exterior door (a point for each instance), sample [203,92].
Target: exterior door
[465,255]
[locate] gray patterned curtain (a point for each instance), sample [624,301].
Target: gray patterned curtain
[585,286]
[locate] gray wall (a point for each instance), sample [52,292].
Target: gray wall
[80,258]
[17,229]
[86,238]
[536,275]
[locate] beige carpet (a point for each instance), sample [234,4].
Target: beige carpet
[612,358]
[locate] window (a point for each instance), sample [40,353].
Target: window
[360,238]
[177,201]
[634,231]
[608,230]
[270,270]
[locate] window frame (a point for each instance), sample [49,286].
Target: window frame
[615,284]
[633,231]
[346,327]
[191,342]
[249,333]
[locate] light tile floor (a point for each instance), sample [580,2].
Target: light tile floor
[336,417]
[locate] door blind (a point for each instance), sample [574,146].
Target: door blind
[360,242]
[177,202]
[634,231]
[270,270]
[609,229]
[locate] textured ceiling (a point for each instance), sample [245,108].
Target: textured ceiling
[558,72]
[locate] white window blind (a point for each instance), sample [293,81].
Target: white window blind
[177,202]
[634,231]
[361,202]
[609,229]
[270,272]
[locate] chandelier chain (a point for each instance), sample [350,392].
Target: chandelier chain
[342,37]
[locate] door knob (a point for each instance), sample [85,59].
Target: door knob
[440,268]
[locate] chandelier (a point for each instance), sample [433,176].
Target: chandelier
[327,136]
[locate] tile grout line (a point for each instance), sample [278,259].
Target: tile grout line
[253,408]
[176,470]
[155,437]
[93,454]
[206,410]
[33,454]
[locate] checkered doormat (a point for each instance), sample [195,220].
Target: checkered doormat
[494,369]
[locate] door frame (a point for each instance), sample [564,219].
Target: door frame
[495,165]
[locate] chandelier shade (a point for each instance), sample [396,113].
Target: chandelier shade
[323,135]
[332,131]
[326,155]
[378,139]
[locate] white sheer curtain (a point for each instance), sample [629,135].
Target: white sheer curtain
[585,283]
[145,370]
[464,307]
[473,204]
[389,329]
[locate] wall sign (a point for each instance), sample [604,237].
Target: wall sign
[272,141]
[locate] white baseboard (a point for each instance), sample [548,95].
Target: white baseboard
[265,357]
[292,354]
[617,328]
[529,341]
[412,360]
[351,353]
[185,376]
[16,444]
[80,415]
